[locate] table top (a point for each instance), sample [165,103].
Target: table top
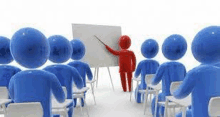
[187,101]
[76,90]
[4,101]
[155,87]
[57,105]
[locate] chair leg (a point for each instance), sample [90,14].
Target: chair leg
[85,105]
[174,111]
[145,102]
[93,93]
[80,105]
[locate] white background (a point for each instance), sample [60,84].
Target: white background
[140,19]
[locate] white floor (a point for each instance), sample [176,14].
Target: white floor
[111,103]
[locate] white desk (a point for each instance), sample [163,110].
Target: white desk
[185,102]
[57,105]
[157,88]
[2,104]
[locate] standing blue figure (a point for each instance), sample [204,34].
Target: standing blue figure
[149,49]
[61,51]
[83,68]
[173,48]
[30,48]
[6,71]
[203,81]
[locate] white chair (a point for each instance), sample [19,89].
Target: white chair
[92,83]
[173,87]
[148,79]
[214,107]
[137,80]
[32,109]
[60,111]
[3,95]
[79,93]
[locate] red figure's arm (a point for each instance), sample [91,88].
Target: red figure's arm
[111,50]
[133,61]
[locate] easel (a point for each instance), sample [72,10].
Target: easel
[96,75]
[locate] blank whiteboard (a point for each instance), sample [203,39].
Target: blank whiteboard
[96,54]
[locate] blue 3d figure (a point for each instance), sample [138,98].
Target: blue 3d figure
[203,81]
[173,48]
[83,68]
[31,49]
[6,71]
[149,49]
[61,51]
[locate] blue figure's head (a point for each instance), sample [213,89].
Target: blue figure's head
[149,48]
[30,48]
[174,47]
[5,54]
[78,49]
[206,45]
[60,49]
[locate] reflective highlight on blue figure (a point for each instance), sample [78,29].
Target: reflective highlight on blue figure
[30,48]
[203,81]
[83,68]
[173,48]
[6,71]
[149,49]
[61,51]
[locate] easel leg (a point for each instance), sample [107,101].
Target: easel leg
[97,77]
[111,79]
[94,77]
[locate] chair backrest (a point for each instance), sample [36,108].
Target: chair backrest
[65,92]
[3,93]
[148,78]
[174,86]
[32,109]
[214,107]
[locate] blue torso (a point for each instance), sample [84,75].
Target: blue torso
[172,71]
[81,68]
[206,85]
[35,86]
[147,67]
[65,76]
[6,72]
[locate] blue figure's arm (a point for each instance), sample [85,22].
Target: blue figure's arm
[11,88]
[187,86]
[89,72]
[158,76]
[57,89]
[77,78]
[138,70]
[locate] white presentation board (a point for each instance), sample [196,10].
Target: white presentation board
[96,54]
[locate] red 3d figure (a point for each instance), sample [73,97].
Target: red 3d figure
[127,60]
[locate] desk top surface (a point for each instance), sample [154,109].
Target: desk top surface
[57,105]
[187,101]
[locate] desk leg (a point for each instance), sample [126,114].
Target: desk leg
[166,105]
[183,111]
[156,101]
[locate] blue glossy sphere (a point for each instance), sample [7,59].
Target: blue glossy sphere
[149,48]
[60,49]
[206,45]
[174,47]
[5,54]
[30,48]
[78,49]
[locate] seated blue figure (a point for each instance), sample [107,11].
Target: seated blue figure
[149,49]
[83,68]
[61,51]
[174,47]
[30,48]
[203,81]
[6,71]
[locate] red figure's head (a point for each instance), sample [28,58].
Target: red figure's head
[124,42]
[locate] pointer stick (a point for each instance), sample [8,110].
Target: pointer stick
[99,39]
